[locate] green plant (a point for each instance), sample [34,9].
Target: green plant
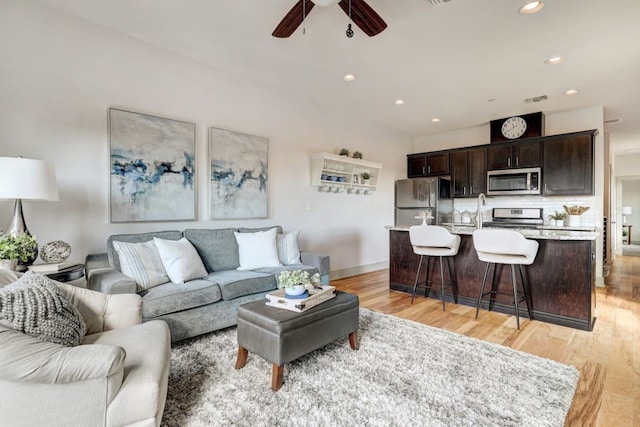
[357,155]
[344,152]
[20,247]
[365,175]
[558,216]
[288,279]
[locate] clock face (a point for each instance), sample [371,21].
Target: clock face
[514,127]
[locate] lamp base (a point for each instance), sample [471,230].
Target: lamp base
[18,227]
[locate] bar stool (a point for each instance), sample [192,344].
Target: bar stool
[504,247]
[435,241]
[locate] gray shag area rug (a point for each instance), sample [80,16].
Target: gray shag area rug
[404,374]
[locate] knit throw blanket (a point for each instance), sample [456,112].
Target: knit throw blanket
[35,306]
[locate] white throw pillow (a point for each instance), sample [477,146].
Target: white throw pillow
[288,251]
[258,249]
[141,262]
[180,259]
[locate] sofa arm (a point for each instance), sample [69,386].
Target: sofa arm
[103,278]
[103,312]
[320,262]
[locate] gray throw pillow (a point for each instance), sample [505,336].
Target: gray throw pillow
[35,306]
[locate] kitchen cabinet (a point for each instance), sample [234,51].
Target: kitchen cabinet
[514,155]
[338,174]
[568,164]
[468,171]
[428,164]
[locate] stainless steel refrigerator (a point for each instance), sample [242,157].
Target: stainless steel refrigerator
[416,195]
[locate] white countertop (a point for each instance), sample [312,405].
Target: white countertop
[553,233]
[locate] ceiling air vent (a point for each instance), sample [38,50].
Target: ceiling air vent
[437,2]
[536,99]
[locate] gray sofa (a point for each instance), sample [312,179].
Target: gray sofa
[203,305]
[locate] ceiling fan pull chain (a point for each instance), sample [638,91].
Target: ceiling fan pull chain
[349,31]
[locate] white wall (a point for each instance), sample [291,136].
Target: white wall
[555,123]
[58,77]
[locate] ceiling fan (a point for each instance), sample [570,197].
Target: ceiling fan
[358,10]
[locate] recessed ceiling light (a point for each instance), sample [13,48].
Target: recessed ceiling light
[349,77]
[398,102]
[531,7]
[435,120]
[571,91]
[554,60]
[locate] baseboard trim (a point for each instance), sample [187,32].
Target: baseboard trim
[359,269]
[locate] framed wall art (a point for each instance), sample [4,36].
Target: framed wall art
[152,168]
[238,175]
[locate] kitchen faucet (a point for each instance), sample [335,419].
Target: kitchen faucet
[481,199]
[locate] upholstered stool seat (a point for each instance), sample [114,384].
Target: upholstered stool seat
[281,336]
[435,241]
[505,247]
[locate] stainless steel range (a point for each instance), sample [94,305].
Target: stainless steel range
[516,218]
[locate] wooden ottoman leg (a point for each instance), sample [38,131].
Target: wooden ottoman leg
[353,340]
[242,357]
[276,377]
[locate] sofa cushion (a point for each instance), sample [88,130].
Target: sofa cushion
[175,297]
[141,262]
[276,270]
[35,306]
[253,230]
[114,261]
[288,250]
[146,370]
[235,283]
[257,249]
[218,249]
[180,259]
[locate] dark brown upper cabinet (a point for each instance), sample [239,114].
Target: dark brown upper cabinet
[510,155]
[568,164]
[427,164]
[468,171]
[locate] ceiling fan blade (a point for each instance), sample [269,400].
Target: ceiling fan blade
[364,17]
[293,19]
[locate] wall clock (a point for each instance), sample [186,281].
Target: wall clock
[517,127]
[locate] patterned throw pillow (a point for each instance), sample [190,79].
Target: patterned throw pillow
[35,306]
[141,262]
[288,251]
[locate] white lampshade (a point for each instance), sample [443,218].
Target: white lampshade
[626,210]
[27,179]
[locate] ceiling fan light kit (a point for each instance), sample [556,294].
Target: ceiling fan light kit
[358,11]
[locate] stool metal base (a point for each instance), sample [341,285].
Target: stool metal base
[429,283]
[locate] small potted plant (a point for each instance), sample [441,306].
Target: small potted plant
[357,155]
[365,178]
[344,152]
[558,218]
[295,282]
[14,249]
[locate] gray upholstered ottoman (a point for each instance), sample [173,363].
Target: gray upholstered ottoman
[281,336]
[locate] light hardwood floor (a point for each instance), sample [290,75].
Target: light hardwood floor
[608,358]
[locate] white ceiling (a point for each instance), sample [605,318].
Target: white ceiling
[445,61]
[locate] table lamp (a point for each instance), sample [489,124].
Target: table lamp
[626,210]
[26,179]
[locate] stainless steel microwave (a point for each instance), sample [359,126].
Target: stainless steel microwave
[514,182]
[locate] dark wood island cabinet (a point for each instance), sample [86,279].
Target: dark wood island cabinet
[561,280]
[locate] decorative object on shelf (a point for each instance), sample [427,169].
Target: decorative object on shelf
[152,162]
[296,282]
[626,210]
[17,249]
[517,127]
[26,179]
[55,252]
[332,173]
[344,152]
[365,177]
[357,155]
[558,218]
[239,175]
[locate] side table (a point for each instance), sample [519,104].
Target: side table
[67,274]
[628,239]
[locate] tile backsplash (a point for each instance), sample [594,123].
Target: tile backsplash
[549,205]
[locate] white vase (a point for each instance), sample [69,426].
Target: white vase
[8,264]
[559,222]
[294,290]
[575,221]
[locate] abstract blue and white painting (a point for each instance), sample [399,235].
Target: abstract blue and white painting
[239,165]
[152,168]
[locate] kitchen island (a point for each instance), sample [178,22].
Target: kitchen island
[561,280]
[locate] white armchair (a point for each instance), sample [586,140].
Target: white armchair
[116,377]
